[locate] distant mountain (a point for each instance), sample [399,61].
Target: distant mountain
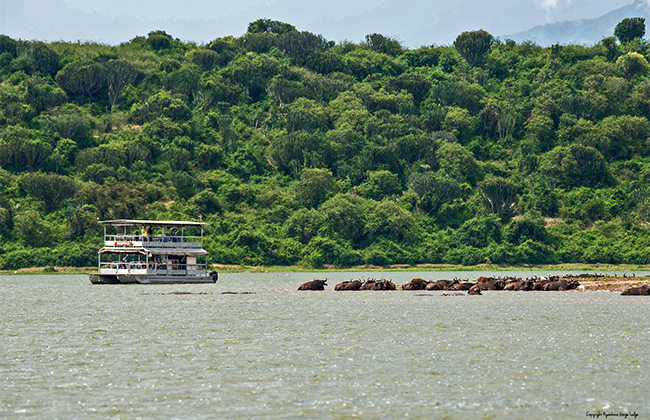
[583,31]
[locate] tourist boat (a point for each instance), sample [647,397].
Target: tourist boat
[152,252]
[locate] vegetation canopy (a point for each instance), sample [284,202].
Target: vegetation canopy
[297,150]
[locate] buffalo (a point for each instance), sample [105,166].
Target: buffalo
[461,285]
[349,285]
[561,285]
[490,283]
[637,291]
[440,284]
[416,284]
[519,284]
[378,285]
[314,285]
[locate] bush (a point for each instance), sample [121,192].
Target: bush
[531,252]
[323,251]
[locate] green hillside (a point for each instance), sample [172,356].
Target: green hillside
[300,151]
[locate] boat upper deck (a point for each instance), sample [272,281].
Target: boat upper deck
[125,234]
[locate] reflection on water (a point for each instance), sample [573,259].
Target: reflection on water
[69,349]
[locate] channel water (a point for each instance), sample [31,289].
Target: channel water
[69,349]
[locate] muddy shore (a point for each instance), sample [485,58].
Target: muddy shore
[613,284]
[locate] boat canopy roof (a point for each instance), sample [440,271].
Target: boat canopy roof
[124,222]
[156,251]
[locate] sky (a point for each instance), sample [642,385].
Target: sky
[413,22]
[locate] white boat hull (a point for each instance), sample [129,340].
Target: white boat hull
[147,279]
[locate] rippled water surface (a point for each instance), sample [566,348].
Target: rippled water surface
[69,349]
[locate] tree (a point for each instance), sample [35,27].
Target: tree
[629,29]
[51,189]
[459,122]
[300,44]
[303,225]
[480,231]
[82,78]
[120,75]
[161,104]
[184,81]
[575,166]
[111,154]
[64,154]
[8,45]
[473,46]
[459,163]
[42,95]
[306,115]
[380,184]
[33,229]
[414,83]
[434,189]
[206,59]
[388,219]
[632,64]
[344,217]
[315,186]
[183,182]
[253,72]
[383,44]
[271,26]
[613,50]
[44,58]
[160,40]
[531,227]
[69,122]
[23,148]
[501,195]
[258,42]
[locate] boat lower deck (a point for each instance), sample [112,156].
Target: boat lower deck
[147,279]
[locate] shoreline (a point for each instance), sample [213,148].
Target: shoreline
[225,268]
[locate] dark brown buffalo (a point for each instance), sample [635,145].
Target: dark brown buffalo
[349,285]
[490,283]
[474,291]
[461,285]
[416,284]
[378,285]
[539,284]
[516,285]
[561,285]
[637,291]
[314,285]
[441,284]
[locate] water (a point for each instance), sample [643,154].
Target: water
[69,349]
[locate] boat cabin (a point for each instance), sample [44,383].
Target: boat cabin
[150,251]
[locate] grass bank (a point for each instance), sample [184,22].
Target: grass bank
[587,268]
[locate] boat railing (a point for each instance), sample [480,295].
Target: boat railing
[153,269]
[154,241]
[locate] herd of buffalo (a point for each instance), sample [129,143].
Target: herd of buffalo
[552,283]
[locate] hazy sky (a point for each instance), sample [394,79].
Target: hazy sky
[414,22]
